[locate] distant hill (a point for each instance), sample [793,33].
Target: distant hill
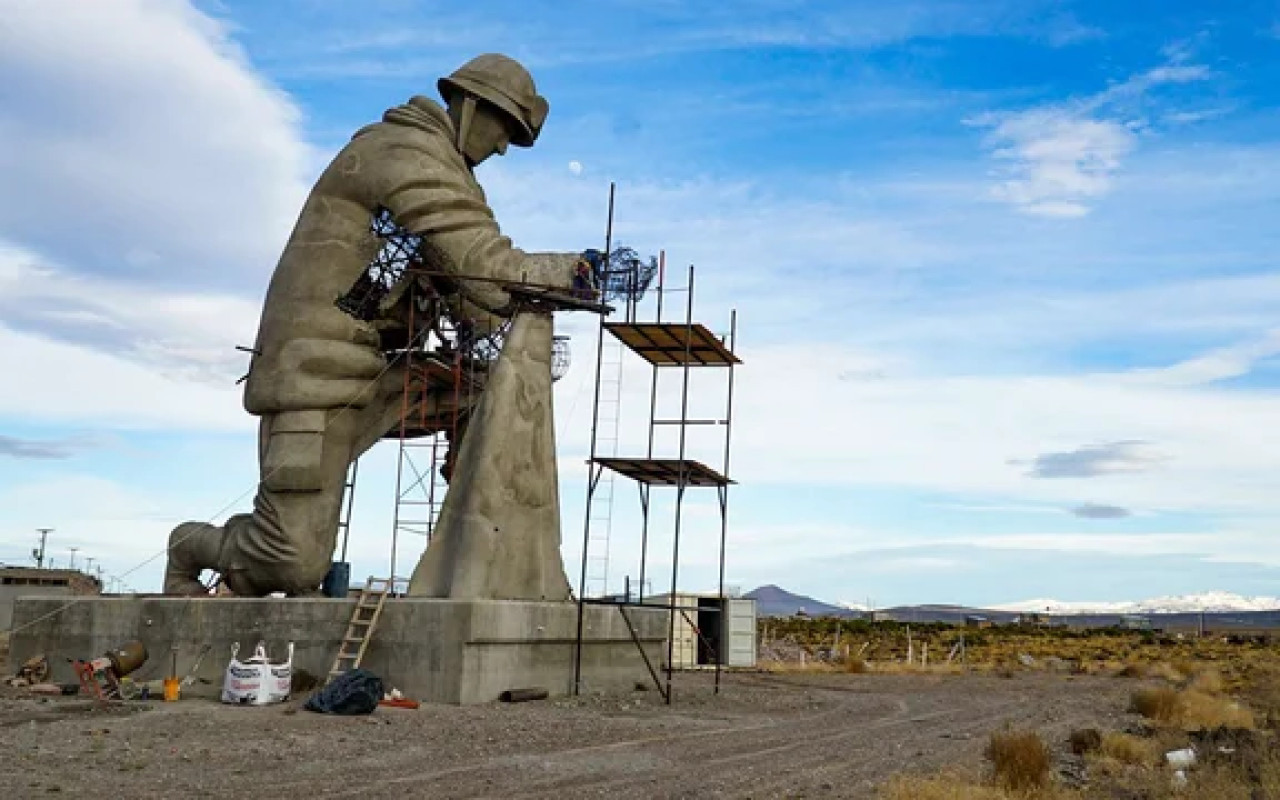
[1217,611]
[774,601]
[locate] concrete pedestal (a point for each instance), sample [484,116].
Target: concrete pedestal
[432,650]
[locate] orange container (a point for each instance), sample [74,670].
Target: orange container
[172,689]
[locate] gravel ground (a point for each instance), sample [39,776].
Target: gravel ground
[764,736]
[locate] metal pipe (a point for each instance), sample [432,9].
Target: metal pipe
[726,617]
[644,533]
[635,638]
[680,486]
[404,416]
[662,277]
[689,422]
[592,469]
[351,500]
[653,411]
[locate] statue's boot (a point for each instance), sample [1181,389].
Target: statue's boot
[193,548]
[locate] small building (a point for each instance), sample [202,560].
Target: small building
[701,629]
[18,582]
[1135,622]
[975,621]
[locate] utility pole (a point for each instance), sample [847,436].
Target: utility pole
[39,554]
[88,564]
[73,557]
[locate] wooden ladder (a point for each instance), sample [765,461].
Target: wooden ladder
[360,629]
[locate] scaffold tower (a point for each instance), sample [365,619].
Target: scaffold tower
[683,347]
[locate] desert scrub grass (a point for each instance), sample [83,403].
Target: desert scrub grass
[1020,761]
[1157,703]
[958,784]
[1128,749]
[1208,681]
[855,665]
[1190,709]
[1202,711]
[1166,672]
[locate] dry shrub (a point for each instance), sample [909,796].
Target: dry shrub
[1227,781]
[1206,711]
[1190,709]
[1132,671]
[856,666]
[1208,681]
[1128,749]
[1166,672]
[1020,760]
[1161,704]
[1085,740]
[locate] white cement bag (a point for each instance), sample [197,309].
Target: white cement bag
[277,683]
[242,683]
[256,681]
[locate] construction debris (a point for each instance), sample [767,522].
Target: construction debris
[355,691]
[34,670]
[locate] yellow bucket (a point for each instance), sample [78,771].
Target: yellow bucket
[172,689]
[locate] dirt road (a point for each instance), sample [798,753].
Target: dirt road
[765,736]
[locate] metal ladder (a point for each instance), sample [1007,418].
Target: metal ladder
[438,487]
[607,424]
[360,628]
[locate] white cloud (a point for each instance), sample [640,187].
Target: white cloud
[179,333]
[151,178]
[60,384]
[1060,163]
[957,434]
[1059,159]
[1216,365]
[136,142]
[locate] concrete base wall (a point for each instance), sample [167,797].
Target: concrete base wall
[433,650]
[10,594]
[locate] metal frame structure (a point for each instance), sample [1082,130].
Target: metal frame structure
[682,345]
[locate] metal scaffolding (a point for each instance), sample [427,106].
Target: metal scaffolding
[683,346]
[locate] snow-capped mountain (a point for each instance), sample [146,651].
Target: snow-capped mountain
[1208,602]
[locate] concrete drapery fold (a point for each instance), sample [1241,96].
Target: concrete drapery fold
[498,536]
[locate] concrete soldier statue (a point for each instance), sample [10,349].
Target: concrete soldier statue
[319,379]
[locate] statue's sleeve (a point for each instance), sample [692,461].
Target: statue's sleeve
[440,202]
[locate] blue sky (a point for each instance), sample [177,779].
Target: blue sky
[1006,271]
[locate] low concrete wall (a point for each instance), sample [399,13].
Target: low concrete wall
[434,650]
[10,594]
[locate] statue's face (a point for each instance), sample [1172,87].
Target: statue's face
[488,135]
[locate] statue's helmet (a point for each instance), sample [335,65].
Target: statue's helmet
[505,83]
